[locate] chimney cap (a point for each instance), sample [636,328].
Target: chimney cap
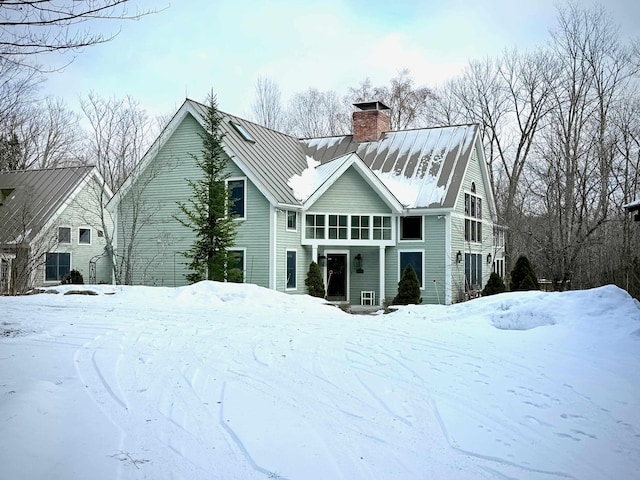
[371,106]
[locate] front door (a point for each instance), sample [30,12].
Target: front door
[337,277]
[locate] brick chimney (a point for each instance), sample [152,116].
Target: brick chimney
[370,120]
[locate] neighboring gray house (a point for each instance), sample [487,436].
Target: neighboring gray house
[50,224]
[363,206]
[633,207]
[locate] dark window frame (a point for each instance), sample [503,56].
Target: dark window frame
[417,266]
[291,282]
[68,235]
[292,226]
[237,205]
[80,239]
[55,269]
[408,228]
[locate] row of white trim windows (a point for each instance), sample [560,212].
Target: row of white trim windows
[325,226]
[84,235]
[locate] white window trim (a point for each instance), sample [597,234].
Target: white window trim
[286,270]
[349,240]
[325,273]
[90,236]
[70,235]
[413,250]
[44,270]
[244,262]
[473,219]
[287,221]
[422,224]
[244,193]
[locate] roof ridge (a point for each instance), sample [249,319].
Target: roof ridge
[50,169]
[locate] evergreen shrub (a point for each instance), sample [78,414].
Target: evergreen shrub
[314,282]
[523,276]
[408,288]
[494,285]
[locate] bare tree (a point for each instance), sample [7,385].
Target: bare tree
[509,99]
[267,108]
[49,135]
[118,135]
[579,145]
[28,27]
[315,114]
[18,87]
[410,105]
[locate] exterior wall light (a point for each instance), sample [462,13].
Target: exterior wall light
[459,257]
[357,263]
[489,258]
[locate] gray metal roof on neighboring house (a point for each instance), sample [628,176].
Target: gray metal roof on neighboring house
[422,167]
[30,198]
[631,206]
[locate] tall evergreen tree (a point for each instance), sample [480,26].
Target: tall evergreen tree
[207,211]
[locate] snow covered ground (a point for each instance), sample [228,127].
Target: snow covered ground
[226,381]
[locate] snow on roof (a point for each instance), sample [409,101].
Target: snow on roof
[635,205]
[307,182]
[421,167]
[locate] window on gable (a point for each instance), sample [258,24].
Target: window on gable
[236,198]
[64,234]
[291,269]
[314,226]
[415,260]
[84,236]
[360,227]
[292,220]
[338,227]
[57,265]
[472,210]
[411,228]
[381,228]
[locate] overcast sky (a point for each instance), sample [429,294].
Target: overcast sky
[195,46]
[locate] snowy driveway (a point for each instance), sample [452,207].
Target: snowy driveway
[225,381]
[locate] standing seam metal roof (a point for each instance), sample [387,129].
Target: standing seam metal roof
[426,166]
[37,195]
[430,162]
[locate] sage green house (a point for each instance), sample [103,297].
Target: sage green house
[363,206]
[51,223]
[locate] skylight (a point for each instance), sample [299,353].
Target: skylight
[243,132]
[4,193]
